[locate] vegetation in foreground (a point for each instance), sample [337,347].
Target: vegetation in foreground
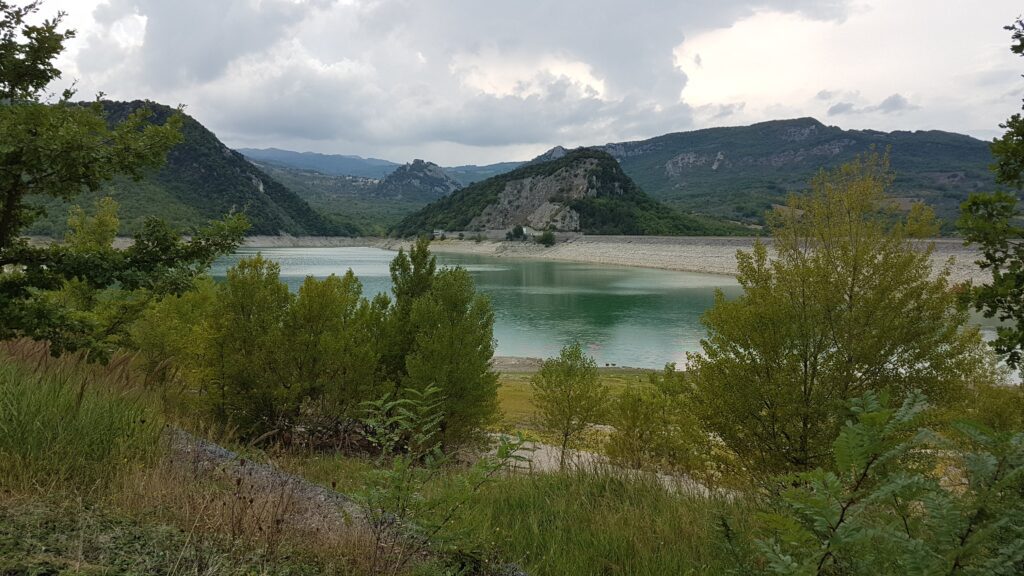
[859,439]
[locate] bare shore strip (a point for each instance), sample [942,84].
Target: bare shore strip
[707,255]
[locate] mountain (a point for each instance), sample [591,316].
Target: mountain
[471,173]
[202,180]
[418,180]
[553,154]
[583,190]
[367,205]
[739,172]
[332,164]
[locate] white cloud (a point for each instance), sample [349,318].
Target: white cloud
[887,65]
[465,81]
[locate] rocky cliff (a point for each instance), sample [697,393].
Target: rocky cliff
[583,190]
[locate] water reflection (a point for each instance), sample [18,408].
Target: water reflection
[624,316]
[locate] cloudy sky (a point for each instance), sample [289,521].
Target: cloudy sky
[478,81]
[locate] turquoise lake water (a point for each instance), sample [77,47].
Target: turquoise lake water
[624,316]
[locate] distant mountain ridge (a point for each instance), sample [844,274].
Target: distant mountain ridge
[738,172]
[581,191]
[332,164]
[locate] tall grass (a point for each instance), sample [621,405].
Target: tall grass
[601,522]
[66,425]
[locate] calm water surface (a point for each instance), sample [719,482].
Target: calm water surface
[624,316]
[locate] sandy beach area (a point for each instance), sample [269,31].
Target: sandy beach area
[709,255]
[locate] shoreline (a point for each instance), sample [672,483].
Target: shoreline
[698,254]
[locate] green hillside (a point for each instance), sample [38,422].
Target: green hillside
[202,180]
[350,201]
[739,172]
[612,204]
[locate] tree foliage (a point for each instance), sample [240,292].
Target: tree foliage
[266,360]
[995,223]
[656,427]
[848,305]
[882,509]
[81,294]
[569,396]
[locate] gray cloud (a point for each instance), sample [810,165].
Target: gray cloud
[459,77]
[893,104]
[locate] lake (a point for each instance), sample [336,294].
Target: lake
[625,316]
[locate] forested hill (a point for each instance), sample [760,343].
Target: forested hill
[583,190]
[202,180]
[739,172]
[330,164]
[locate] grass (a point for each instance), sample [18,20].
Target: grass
[58,537]
[64,428]
[88,487]
[515,396]
[125,508]
[594,522]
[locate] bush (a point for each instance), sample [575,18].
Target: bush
[547,238]
[655,428]
[262,360]
[517,233]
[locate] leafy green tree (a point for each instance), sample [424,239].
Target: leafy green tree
[569,396]
[412,275]
[57,150]
[330,351]
[454,343]
[242,343]
[996,224]
[547,238]
[884,510]
[848,305]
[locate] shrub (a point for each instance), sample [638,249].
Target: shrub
[547,238]
[655,428]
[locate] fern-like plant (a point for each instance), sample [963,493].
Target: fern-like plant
[903,500]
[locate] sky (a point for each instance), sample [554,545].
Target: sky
[477,81]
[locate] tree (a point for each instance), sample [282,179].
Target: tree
[454,342]
[996,224]
[848,305]
[330,353]
[569,396]
[242,344]
[412,275]
[59,149]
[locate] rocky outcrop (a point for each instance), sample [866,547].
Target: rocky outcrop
[541,201]
[418,180]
